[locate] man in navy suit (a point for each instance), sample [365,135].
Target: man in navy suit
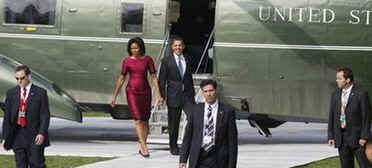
[176,85]
[211,138]
[26,121]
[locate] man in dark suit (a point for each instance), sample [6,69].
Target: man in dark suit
[26,121]
[349,120]
[176,85]
[210,139]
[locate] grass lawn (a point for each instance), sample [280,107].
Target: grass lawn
[96,114]
[85,114]
[56,161]
[332,162]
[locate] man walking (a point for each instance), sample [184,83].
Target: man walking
[176,85]
[210,139]
[26,121]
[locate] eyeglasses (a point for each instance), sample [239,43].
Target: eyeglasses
[20,78]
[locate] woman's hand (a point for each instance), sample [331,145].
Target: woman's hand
[113,103]
[119,83]
[362,142]
[160,100]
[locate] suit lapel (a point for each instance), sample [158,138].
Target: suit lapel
[187,61]
[338,102]
[351,96]
[16,105]
[201,117]
[220,115]
[30,96]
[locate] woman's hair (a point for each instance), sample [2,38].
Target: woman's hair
[140,44]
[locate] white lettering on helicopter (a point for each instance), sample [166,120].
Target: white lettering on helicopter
[311,15]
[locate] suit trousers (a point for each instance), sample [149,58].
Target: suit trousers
[27,154]
[348,152]
[207,159]
[174,116]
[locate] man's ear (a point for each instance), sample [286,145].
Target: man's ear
[348,80]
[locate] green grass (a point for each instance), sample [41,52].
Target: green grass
[96,114]
[85,114]
[332,162]
[56,161]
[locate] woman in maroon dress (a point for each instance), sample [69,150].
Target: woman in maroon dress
[138,90]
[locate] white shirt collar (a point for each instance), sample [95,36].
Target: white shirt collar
[178,56]
[214,105]
[28,87]
[348,89]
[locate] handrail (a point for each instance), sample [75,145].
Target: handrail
[160,56]
[163,46]
[205,49]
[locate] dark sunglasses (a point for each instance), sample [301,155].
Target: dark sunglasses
[21,78]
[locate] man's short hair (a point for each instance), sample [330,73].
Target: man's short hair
[348,73]
[177,38]
[208,82]
[23,68]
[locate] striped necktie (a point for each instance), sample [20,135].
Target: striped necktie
[209,130]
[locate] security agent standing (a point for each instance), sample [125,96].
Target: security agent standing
[349,120]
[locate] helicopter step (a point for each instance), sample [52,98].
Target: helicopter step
[158,122]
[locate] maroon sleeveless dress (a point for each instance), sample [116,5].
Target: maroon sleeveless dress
[138,90]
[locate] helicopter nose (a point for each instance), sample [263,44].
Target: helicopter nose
[61,104]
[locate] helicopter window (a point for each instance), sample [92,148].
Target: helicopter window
[38,12]
[132,17]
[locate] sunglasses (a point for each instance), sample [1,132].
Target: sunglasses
[20,78]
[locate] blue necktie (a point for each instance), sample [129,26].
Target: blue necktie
[180,67]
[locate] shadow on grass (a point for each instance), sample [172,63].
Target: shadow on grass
[331,162]
[57,161]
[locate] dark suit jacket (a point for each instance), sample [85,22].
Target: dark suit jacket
[358,117]
[226,141]
[37,115]
[171,83]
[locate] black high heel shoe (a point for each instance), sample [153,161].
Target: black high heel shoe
[143,155]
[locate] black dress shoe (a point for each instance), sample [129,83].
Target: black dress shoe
[175,151]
